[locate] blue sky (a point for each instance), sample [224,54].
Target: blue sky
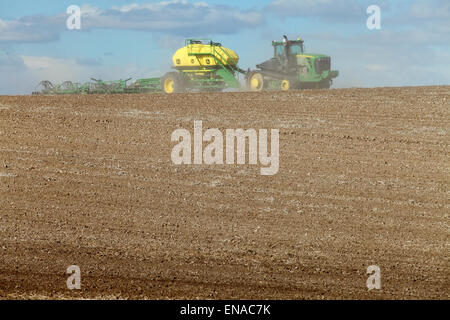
[126,38]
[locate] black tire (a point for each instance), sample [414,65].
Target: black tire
[173,82]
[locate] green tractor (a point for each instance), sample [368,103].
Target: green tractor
[292,68]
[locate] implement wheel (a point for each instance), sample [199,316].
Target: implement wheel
[255,81]
[172,82]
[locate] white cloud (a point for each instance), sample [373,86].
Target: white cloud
[25,31]
[40,63]
[175,17]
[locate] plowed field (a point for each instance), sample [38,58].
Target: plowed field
[363,180]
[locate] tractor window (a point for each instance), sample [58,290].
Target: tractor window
[296,49]
[279,51]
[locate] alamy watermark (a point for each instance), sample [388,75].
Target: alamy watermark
[74,281]
[213,153]
[374,20]
[374,280]
[73,22]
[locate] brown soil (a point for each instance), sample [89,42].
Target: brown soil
[363,180]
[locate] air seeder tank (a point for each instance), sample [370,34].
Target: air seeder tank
[197,55]
[202,65]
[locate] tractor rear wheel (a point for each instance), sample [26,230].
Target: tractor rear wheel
[255,81]
[172,82]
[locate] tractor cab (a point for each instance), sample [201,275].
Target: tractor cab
[286,52]
[284,57]
[288,48]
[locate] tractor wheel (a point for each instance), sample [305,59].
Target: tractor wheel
[172,82]
[255,81]
[285,85]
